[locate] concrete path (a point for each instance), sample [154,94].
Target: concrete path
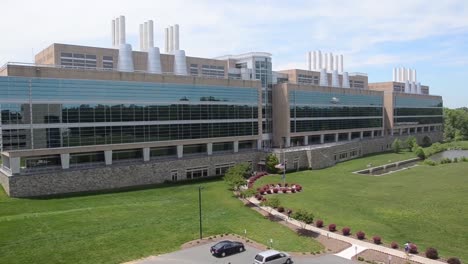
[350,252]
[350,240]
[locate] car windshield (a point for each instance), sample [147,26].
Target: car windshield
[220,245]
[259,257]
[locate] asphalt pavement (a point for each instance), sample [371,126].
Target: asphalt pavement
[201,255]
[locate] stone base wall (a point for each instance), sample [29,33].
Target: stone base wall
[153,172]
[319,157]
[115,176]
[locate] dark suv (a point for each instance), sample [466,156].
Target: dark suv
[226,247]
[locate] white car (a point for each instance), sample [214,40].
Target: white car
[272,257]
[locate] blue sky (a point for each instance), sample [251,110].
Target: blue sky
[374,36]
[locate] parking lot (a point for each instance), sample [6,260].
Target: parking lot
[201,255]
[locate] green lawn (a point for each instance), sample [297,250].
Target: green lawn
[426,205]
[113,228]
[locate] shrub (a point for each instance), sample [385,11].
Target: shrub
[293,190]
[275,190]
[394,245]
[432,253]
[396,145]
[319,223]
[413,249]
[464,159]
[284,190]
[269,191]
[430,162]
[303,216]
[279,184]
[411,142]
[259,197]
[420,153]
[271,162]
[346,231]
[455,160]
[377,240]
[248,193]
[360,235]
[426,141]
[273,202]
[360,258]
[332,227]
[445,160]
[453,261]
[280,209]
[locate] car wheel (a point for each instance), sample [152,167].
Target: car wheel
[241,249]
[223,254]
[288,261]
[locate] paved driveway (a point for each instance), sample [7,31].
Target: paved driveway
[201,255]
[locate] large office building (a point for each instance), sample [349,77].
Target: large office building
[87,119]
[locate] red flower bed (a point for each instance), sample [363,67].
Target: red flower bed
[394,245]
[332,227]
[377,240]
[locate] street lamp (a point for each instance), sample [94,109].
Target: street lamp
[199,208]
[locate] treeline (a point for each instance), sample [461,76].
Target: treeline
[456,124]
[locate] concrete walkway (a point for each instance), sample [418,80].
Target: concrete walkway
[349,252]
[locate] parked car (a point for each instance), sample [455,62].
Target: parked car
[226,247]
[272,257]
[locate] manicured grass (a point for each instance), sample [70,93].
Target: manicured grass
[425,205]
[118,227]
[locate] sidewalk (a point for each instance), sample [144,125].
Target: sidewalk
[349,252]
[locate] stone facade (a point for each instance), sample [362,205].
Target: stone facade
[115,176]
[140,173]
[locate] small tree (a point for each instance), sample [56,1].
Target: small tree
[426,141]
[273,202]
[396,145]
[304,217]
[271,162]
[236,175]
[411,142]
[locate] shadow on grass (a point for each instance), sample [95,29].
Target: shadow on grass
[307,233]
[128,189]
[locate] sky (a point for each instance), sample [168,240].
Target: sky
[374,36]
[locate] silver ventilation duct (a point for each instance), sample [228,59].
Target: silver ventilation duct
[323,77]
[335,79]
[346,80]
[125,59]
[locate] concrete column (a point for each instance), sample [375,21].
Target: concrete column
[392,131]
[409,131]
[401,131]
[236,146]
[180,151]
[146,154]
[259,144]
[383,133]
[349,136]
[108,157]
[362,134]
[65,160]
[209,148]
[372,133]
[336,137]
[288,142]
[322,139]
[306,140]
[15,165]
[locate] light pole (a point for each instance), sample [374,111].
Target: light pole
[199,209]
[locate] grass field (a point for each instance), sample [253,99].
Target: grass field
[425,205]
[118,227]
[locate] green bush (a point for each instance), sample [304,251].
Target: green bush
[303,216]
[273,202]
[248,193]
[396,145]
[236,175]
[445,161]
[426,141]
[464,159]
[411,142]
[430,162]
[420,153]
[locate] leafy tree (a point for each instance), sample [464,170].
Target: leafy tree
[411,142]
[273,202]
[271,162]
[396,145]
[236,176]
[304,217]
[455,124]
